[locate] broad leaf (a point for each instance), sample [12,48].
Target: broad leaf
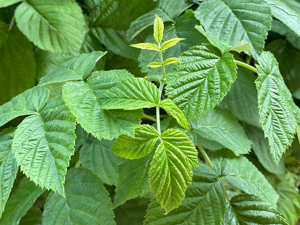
[145,137]
[20,202]
[134,179]
[29,102]
[77,68]
[248,20]
[133,93]
[17,64]
[171,168]
[44,23]
[86,201]
[44,143]
[275,106]
[201,81]
[220,126]
[5,3]
[8,166]
[173,110]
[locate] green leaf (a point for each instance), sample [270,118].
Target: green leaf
[147,46]
[77,68]
[84,102]
[134,179]
[242,46]
[132,93]
[173,110]
[5,3]
[8,166]
[262,150]
[17,64]
[249,20]
[173,8]
[32,217]
[241,100]
[145,137]
[171,168]
[171,61]
[275,106]
[201,81]
[158,28]
[288,12]
[20,202]
[155,64]
[220,126]
[86,201]
[29,102]
[47,18]
[44,143]
[170,43]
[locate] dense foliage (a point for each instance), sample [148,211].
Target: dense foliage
[149,112]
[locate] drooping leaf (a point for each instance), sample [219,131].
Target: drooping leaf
[275,106]
[201,81]
[134,179]
[29,102]
[132,93]
[44,143]
[20,202]
[173,110]
[8,166]
[86,201]
[171,168]
[5,3]
[17,64]
[145,137]
[77,68]
[220,126]
[249,20]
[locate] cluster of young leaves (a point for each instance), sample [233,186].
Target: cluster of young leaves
[83,145]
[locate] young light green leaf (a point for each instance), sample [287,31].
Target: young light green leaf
[173,110]
[145,137]
[147,46]
[8,166]
[132,93]
[77,68]
[155,64]
[85,195]
[20,202]
[158,29]
[201,81]
[275,106]
[242,46]
[171,61]
[48,18]
[5,3]
[220,126]
[171,168]
[170,43]
[251,23]
[44,143]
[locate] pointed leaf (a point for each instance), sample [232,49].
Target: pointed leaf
[86,201]
[173,110]
[158,29]
[44,143]
[155,64]
[145,137]
[147,46]
[132,93]
[171,61]
[170,43]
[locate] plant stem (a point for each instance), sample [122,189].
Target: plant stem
[245,65]
[298,133]
[158,119]
[207,159]
[163,67]
[145,116]
[11,23]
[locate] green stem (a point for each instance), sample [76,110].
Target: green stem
[11,23]
[298,133]
[145,116]
[207,159]
[245,65]
[163,67]
[158,120]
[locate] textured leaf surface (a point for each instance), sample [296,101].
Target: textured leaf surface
[77,68]
[44,143]
[171,168]
[17,64]
[275,106]
[220,126]
[20,202]
[133,93]
[43,23]
[134,179]
[86,201]
[201,81]
[233,21]
[29,102]
[8,166]
[145,137]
